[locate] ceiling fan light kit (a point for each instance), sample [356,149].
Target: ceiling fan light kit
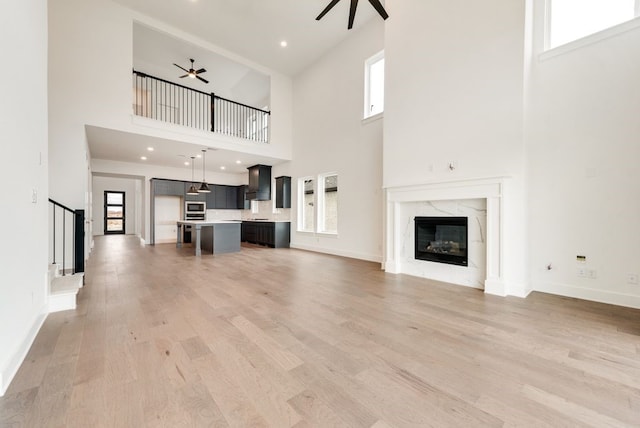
[352,10]
[192,72]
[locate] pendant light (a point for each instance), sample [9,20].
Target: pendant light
[204,187]
[193,190]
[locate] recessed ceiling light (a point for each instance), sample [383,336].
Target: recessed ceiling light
[143,157]
[238,162]
[223,168]
[284,43]
[186,163]
[150,149]
[198,156]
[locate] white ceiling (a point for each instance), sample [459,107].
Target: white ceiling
[254,28]
[121,146]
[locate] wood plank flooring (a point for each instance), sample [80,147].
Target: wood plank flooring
[287,338]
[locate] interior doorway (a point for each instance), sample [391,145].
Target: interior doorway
[114,209]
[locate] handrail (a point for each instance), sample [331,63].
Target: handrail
[242,105]
[77,236]
[160,99]
[141,74]
[61,206]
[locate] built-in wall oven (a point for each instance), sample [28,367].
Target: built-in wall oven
[193,210]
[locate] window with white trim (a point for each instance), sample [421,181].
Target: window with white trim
[306,204]
[374,85]
[569,20]
[328,203]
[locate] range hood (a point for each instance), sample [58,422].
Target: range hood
[259,188]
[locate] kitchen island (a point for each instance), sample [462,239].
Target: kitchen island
[215,236]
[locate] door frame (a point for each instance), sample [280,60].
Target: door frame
[123,218]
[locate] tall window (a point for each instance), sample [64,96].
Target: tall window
[318,204]
[306,204]
[374,85]
[569,20]
[328,203]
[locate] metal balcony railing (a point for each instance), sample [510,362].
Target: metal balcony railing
[166,101]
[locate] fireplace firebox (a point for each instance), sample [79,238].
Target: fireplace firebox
[441,239]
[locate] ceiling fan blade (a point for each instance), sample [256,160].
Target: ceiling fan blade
[378,6]
[352,13]
[180,67]
[202,70]
[184,76]
[204,80]
[327,9]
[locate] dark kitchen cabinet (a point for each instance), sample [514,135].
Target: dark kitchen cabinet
[283,192]
[269,233]
[211,197]
[259,183]
[242,203]
[232,197]
[220,196]
[168,187]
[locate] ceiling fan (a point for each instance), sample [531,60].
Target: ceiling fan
[352,11]
[191,72]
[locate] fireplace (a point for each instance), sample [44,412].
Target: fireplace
[441,239]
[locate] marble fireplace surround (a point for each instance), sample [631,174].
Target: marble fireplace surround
[490,189]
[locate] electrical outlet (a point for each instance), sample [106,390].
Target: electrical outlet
[581,272]
[632,278]
[34,195]
[592,273]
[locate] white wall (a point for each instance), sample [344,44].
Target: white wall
[583,156]
[23,136]
[454,90]
[329,136]
[119,184]
[454,93]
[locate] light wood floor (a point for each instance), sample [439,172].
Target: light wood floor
[286,338]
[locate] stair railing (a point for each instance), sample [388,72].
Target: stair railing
[60,215]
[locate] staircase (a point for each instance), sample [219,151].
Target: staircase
[63,289]
[66,237]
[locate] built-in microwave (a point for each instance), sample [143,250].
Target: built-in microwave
[195,207]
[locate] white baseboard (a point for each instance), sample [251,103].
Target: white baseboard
[142,241]
[612,298]
[10,369]
[520,290]
[349,254]
[495,287]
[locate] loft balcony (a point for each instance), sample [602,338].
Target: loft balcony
[159,99]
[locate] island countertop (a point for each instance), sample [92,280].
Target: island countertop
[206,222]
[214,236]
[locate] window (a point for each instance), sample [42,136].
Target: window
[569,20]
[374,85]
[328,203]
[306,205]
[324,197]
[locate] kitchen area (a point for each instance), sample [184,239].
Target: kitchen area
[215,218]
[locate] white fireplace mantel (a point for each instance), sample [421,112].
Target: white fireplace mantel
[492,189]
